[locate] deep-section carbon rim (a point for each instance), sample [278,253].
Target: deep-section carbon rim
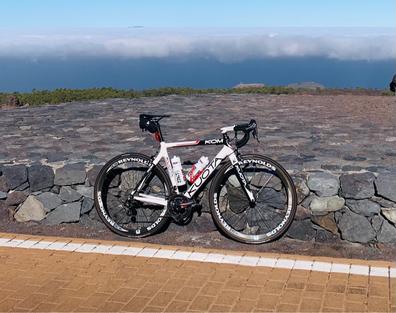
[114,203]
[275,200]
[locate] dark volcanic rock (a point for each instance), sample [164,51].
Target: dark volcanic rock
[376,222]
[4,212]
[357,186]
[40,177]
[93,173]
[351,168]
[3,184]
[302,230]
[15,198]
[387,234]
[23,187]
[87,205]
[307,201]
[65,213]
[302,213]
[354,158]
[56,189]
[70,175]
[364,207]
[85,191]
[56,156]
[326,222]
[68,194]
[93,215]
[325,236]
[355,228]
[3,195]
[324,184]
[15,175]
[49,200]
[330,167]
[386,186]
[383,202]
[301,188]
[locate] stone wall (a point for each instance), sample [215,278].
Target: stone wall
[352,206]
[357,207]
[340,149]
[49,194]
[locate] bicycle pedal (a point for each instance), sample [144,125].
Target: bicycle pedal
[198,208]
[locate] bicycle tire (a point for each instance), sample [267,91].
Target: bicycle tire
[246,232]
[103,186]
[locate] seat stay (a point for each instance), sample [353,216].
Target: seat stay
[143,180]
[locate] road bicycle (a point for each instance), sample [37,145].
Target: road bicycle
[252,198]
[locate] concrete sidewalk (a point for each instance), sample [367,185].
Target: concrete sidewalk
[62,274]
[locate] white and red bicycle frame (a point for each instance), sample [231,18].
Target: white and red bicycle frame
[225,152]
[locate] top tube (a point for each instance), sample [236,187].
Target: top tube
[203,142]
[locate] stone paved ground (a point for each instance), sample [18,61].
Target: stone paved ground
[48,280]
[341,132]
[338,132]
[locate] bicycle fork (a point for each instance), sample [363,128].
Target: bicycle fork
[242,180]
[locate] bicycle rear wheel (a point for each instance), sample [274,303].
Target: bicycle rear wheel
[275,195]
[114,204]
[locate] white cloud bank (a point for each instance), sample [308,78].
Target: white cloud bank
[224,45]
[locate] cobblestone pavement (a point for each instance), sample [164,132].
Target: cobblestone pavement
[342,132]
[46,278]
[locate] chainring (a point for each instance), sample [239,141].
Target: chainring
[180,209]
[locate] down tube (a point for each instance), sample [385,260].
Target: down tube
[206,174]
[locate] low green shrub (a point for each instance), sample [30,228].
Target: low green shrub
[40,97]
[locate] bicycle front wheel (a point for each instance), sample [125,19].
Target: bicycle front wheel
[275,194]
[113,201]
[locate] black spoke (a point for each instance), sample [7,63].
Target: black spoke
[118,188]
[258,192]
[262,218]
[261,221]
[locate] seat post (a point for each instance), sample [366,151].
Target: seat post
[160,133]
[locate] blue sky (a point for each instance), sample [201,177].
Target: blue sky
[52,14]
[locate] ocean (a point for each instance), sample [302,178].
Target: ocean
[23,74]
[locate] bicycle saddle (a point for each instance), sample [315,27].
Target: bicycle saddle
[152,117]
[150,122]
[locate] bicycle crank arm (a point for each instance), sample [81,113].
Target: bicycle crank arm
[150,199]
